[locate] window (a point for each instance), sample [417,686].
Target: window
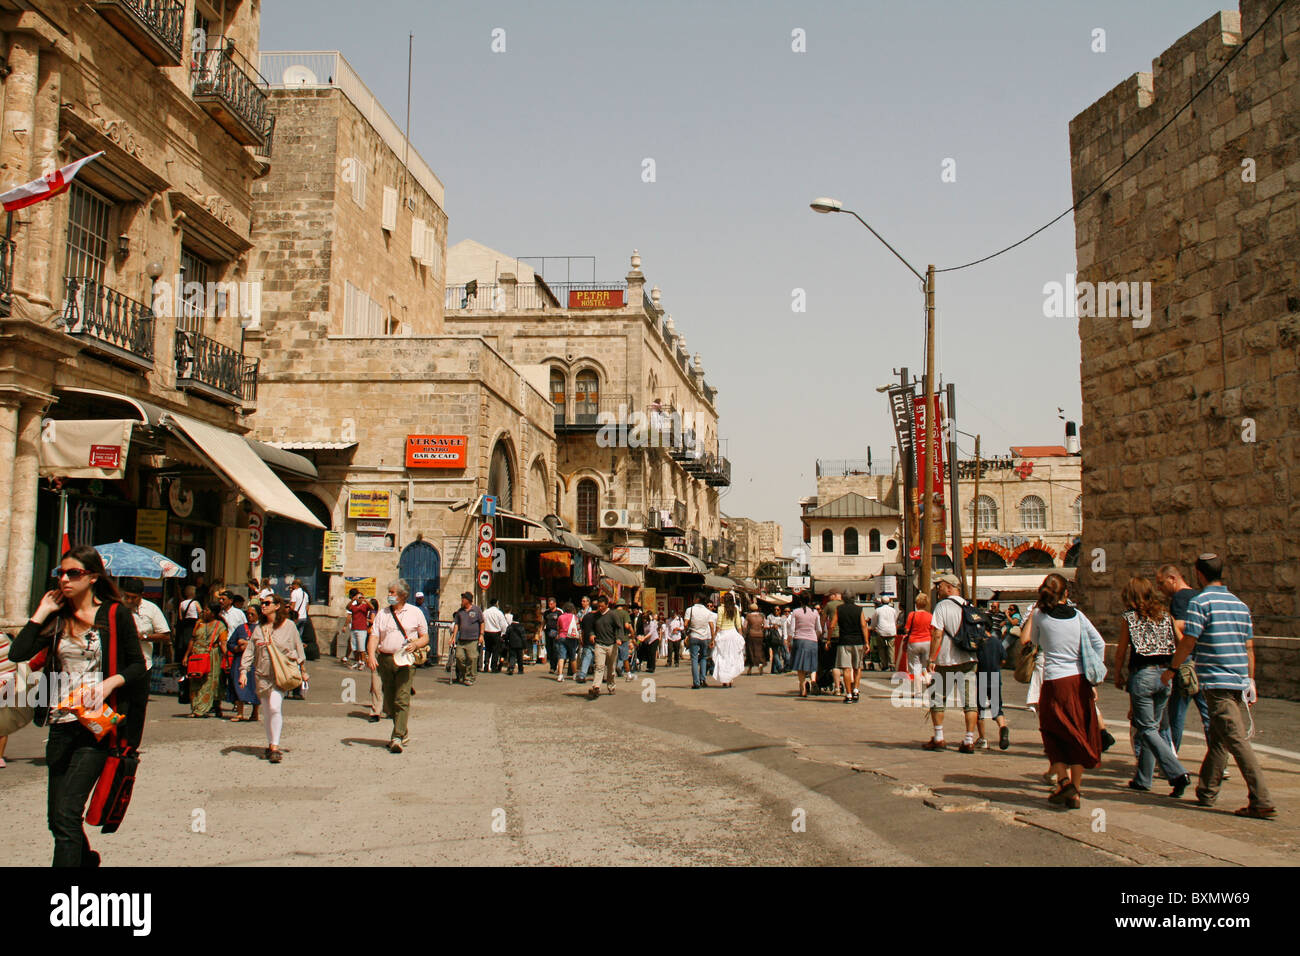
[587,496]
[873,541]
[1033,513]
[195,274]
[850,540]
[88,217]
[388,215]
[586,398]
[501,477]
[362,315]
[984,514]
[1077,508]
[828,541]
[558,394]
[356,171]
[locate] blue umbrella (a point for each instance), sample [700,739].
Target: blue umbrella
[123,560]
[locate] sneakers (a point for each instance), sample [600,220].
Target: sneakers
[1134,785]
[630,677]
[855,696]
[1256,813]
[933,744]
[981,744]
[559,678]
[1004,738]
[373,718]
[395,745]
[1180,785]
[848,698]
[966,748]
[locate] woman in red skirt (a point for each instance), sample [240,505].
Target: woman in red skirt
[1067,711]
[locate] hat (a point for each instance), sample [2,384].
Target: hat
[948,579]
[419,594]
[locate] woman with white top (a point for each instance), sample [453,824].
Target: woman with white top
[1067,712]
[278,626]
[805,628]
[728,643]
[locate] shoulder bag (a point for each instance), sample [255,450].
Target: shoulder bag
[1094,671]
[112,794]
[286,674]
[418,657]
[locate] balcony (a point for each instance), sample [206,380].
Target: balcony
[114,325]
[667,517]
[715,470]
[233,93]
[155,27]
[6,277]
[590,416]
[208,368]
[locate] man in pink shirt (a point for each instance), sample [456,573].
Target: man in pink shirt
[398,630]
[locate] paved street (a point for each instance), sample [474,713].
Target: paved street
[522,770]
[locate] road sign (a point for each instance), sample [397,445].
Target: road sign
[485,549]
[489,506]
[485,533]
[484,579]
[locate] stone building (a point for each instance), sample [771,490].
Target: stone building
[639,463]
[123,300]
[405,425]
[1194,412]
[758,543]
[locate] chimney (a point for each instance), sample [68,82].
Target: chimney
[1071,438]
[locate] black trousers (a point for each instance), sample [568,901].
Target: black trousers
[515,659]
[75,759]
[550,651]
[674,652]
[491,651]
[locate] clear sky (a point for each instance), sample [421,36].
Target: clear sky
[541,149]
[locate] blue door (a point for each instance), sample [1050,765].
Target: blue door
[421,568]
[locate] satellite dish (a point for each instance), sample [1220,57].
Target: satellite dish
[298,75]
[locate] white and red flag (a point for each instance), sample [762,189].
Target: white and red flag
[47,187]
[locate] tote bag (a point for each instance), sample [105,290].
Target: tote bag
[1094,671]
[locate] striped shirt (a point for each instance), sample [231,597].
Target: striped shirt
[1221,624]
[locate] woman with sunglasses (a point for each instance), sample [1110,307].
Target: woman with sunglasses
[236,644]
[72,624]
[279,624]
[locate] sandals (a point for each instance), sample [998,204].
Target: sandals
[1256,813]
[1067,796]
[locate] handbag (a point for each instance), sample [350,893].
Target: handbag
[116,783]
[198,666]
[1190,683]
[419,656]
[1025,663]
[286,674]
[1094,671]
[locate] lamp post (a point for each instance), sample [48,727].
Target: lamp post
[825,204]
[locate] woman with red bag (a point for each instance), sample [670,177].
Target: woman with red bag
[72,624]
[203,665]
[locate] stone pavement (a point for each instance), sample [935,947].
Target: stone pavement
[524,770]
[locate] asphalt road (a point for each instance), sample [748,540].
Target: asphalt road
[525,770]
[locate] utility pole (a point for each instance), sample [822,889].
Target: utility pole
[975,525]
[928,403]
[907,598]
[954,503]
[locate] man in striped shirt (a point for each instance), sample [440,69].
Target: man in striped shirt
[1217,634]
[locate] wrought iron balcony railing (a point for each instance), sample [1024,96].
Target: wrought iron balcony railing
[716,471]
[592,415]
[155,27]
[109,322]
[206,366]
[6,277]
[233,93]
[667,517]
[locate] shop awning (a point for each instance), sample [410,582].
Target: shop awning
[686,564]
[620,575]
[855,585]
[85,448]
[282,460]
[576,543]
[778,599]
[720,583]
[1013,581]
[231,456]
[149,414]
[542,540]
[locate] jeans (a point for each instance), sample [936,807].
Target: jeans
[699,660]
[570,651]
[550,651]
[75,760]
[780,656]
[1228,737]
[622,659]
[396,682]
[467,661]
[1176,715]
[584,665]
[1149,696]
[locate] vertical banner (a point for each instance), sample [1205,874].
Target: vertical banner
[923,414]
[901,399]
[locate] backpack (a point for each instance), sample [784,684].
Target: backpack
[974,630]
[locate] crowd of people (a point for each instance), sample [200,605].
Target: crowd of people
[1176,646]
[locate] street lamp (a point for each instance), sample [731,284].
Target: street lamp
[825,204]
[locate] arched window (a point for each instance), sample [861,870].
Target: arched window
[1033,513]
[501,476]
[558,394]
[537,490]
[873,541]
[1078,513]
[850,540]
[984,514]
[588,493]
[586,398]
[828,541]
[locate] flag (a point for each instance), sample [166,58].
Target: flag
[47,187]
[66,543]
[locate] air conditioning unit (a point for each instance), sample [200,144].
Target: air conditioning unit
[615,518]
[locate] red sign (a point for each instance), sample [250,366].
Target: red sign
[436,451]
[1024,469]
[105,456]
[485,579]
[921,421]
[595,298]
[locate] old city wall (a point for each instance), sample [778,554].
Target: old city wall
[1193,421]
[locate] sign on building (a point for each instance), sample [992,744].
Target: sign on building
[436,451]
[332,553]
[633,556]
[151,529]
[595,298]
[367,503]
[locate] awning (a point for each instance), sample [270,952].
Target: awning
[544,540]
[688,564]
[84,448]
[1006,580]
[855,585]
[312,445]
[230,455]
[149,414]
[719,583]
[282,460]
[779,599]
[620,575]
[575,543]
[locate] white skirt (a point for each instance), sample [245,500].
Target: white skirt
[728,656]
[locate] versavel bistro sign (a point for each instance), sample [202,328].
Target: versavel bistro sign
[436,451]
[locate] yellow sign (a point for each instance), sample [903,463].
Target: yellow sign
[331,560]
[365,585]
[151,529]
[367,503]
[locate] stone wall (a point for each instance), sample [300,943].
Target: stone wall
[1193,421]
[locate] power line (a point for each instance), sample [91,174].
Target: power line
[1111,175]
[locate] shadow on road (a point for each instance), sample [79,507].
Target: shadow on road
[364,741]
